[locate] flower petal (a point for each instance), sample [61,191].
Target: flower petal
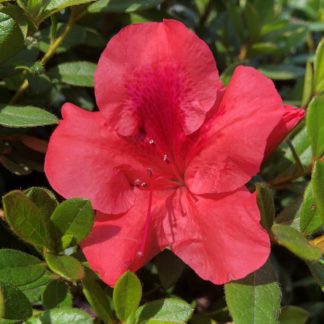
[219,237]
[81,161]
[152,74]
[126,242]
[292,116]
[231,145]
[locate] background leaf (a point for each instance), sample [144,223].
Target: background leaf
[255,299]
[127,295]
[25,116]
[13,303]
[74,73]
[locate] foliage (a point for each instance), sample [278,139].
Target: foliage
[48,54]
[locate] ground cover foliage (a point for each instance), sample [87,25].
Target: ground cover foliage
[48,54]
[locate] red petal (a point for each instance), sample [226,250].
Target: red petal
[232,143]
[126,242]
[291,118]
[152,74]
[219,237]
[81,161]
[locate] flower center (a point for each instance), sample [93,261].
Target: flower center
[159,172]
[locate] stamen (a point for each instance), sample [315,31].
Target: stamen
[151,141]
[137,182]
[147,227]
[166,158]
[149,172]
[143,185]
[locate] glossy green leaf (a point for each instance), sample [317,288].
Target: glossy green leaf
[57,294]
[34,290]
[14,305]
[315,125]
[319,68]
[97,297]
[295,242]
[62,315]
[127,295]
[169,310]
[122,5]
[43,198]
[310,219]
[18,268]
[11,38]
[74,73]
[256,298]
[266,205]
[293,315]
[27,220]
[282,72]
[25,116]
[318,186]
[66,266]
[308,85]
[18,15]
[73,218]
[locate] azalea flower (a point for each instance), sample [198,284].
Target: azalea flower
[166,159]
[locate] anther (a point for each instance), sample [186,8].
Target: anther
[137,182]
[149,172]
[143,185]
[151,141]
[166,158]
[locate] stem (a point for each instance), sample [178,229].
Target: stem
[48,55]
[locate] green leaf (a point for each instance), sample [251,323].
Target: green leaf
[293,315]
[25,116]
[302,145]
[310,219]
[315,125]
[254,299]
[170,268]
[58,5]
[18,15]
[38,10]
[127,295]
[169,310]
[319,68]
[122,5]
[43,198]
[27,220]
[295,242]
[57,294]
[60,316]
[66,266]
[97,297]
[266,205]
[74,218]
[74,73]
[11,38]
[282,72]
[14,305]
[317,270]
[18,268]
[308,84]
[318,187]
[35,290]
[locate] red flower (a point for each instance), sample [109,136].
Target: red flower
[166,158]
